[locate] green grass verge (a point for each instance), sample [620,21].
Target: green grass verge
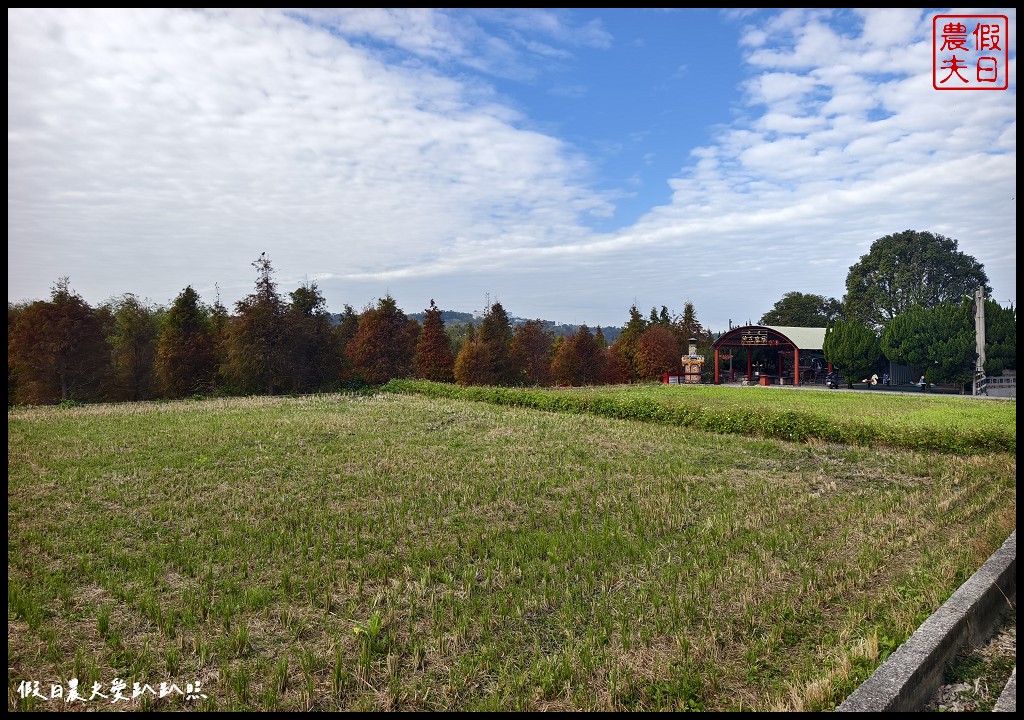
[386,552]
[949,424]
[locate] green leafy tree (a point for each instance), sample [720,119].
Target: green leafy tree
[133,349]
[853,348]
[384,344]
[531,351]
[186,359]
[313,346]
[1000,338]
[954,349]
[434,359]
[906,269]
[657,353]
[797,309]
[57,349]
[937,342]
[257,349]
[665,317]
[687,327]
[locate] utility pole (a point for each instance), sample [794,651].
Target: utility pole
[980,381]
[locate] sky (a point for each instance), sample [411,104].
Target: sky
[565,163]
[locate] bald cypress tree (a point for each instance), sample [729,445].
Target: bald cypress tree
[384,344]
[471,366]
[531,353]
[434,359]
[57,348]
[186,360]
[578,360]
[657,353]
[257,353]
[628,342]
[495,339]
[133,348]
[313,346]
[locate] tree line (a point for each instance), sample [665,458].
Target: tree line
[63,349]
[908,300]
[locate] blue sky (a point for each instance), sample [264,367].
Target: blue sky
[568,163]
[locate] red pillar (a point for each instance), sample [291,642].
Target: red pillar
[750,370]
[716,367]
[796,366]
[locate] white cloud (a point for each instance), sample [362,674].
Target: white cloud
[150,149]
[256,126]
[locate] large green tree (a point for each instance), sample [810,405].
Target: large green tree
[853,348]
[186,359]
[906,269]
[797,309]
[937,342]
[1000,338]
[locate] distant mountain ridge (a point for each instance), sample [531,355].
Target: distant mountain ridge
[455,317]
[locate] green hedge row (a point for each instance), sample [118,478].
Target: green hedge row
[784,424]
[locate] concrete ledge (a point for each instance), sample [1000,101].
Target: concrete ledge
[1007,701]
[912,674]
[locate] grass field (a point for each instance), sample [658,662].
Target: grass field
[398,551]
[941,423]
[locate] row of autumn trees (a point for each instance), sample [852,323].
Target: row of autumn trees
[63,349]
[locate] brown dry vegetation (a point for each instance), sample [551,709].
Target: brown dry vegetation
[399,552]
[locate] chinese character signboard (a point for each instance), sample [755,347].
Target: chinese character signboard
[757,337]
[970,52]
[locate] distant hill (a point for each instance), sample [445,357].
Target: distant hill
[454,317]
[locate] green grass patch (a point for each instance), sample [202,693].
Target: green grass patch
[403,552]
[949,424]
